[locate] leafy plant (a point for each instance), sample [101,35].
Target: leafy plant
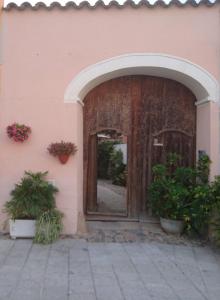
[215,224]
[173,161]
[121,178]
[48,227]
[215,187]
[62,147]
[186,176]
[18,132]
[199,211]
[216,229]
[202,199]
[105,148]
[117,168]
[169,198]
[185,193]
[111,164]
[32,196]
[203,167]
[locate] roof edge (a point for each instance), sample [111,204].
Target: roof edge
[113,3]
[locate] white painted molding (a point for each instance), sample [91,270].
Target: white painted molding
[203,101]
[198,80]
[79,101]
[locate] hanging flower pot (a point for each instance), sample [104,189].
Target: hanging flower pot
[63,150]
[63,158]
[18,132]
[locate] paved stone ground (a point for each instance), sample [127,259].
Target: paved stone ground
[72,269]
[110,197]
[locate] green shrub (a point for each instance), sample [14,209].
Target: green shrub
[169,198]
[48,227]
[105,149]
[117,170]
[203,167]
[185,176]
[215,225]
[185,193]
[202,200]
[32,196]
[199,212]
[215,188]
[110,163]
[120,179]
[216,229]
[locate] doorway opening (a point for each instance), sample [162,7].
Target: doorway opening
[111,172]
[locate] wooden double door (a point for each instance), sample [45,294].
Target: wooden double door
[157,115]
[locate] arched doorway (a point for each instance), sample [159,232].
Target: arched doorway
[156,115]
[200,81]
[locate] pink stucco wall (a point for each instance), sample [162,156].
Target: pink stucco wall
[43,50]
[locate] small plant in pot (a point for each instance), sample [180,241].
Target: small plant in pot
[63,150]
[18,132]
[185,194]
[168,202]
[31,198]
[170,194]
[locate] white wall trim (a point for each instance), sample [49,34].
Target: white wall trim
[198,80]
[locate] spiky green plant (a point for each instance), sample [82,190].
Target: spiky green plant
[48,227]
[31,197]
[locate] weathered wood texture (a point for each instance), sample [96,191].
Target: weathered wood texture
[145,109]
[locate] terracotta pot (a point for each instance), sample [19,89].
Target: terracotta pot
[63,158]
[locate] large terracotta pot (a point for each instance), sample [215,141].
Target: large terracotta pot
[63,158]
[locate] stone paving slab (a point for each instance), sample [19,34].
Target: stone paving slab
[72,269]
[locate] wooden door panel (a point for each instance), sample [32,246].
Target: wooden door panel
[142,108]
[92,174]
[108,106]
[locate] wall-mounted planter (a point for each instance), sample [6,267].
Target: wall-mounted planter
[63,150]
[63,158]
[22,228]
[18,132]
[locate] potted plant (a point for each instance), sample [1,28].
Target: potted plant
[32,197]
[167,201]
[183,196]
[63,150]
[18,132]
[170,194]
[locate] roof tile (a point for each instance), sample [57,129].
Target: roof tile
[113,3]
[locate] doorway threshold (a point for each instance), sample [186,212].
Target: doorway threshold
[104,218]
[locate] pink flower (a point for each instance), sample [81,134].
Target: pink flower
[19,133]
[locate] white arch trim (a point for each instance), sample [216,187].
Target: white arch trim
[198,80]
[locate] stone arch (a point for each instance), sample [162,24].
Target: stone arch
[198,80]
